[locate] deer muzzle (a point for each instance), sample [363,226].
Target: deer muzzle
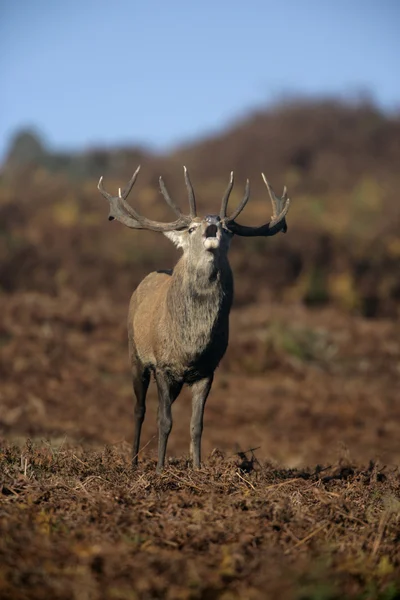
[212,232]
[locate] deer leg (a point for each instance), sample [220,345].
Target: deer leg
[200,391]
[141,379]
[168,391]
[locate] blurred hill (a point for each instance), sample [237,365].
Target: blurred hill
[308,141]
[319,146]
[340,161]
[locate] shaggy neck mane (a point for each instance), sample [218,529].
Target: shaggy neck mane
[204,278]
[197,295]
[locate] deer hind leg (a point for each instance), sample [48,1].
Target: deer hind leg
[200,391]
[141,379]
[168,391]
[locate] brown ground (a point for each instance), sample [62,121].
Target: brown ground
[314,390]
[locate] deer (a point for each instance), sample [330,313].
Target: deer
[178,320]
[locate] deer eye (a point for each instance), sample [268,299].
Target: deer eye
[192,229]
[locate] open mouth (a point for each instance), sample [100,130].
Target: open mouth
[211,231]
[211,237]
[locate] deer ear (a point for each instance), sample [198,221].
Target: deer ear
[179,238]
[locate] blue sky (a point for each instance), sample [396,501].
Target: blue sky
[87,72]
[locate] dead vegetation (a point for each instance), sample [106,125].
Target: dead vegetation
[311,379]
[79,523]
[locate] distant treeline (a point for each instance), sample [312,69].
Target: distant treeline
[321,145]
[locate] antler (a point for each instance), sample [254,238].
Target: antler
[280,207]
[225,200]
[126,214]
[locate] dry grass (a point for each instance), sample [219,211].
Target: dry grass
[79,523]
[311,388]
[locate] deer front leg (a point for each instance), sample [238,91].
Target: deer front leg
[200,391]
[141,380]
[168,391]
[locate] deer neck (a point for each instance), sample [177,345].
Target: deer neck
[200,298]
[200,279]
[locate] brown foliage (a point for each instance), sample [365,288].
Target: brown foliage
[79,523]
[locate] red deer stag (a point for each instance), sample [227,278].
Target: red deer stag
[178,322]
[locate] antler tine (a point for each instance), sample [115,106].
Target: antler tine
[130,184]
[102,190]
[225,199]
[191,196]
[125,193]
[242,204]
[168,198]
[278,211]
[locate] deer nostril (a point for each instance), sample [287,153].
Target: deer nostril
[211,231]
